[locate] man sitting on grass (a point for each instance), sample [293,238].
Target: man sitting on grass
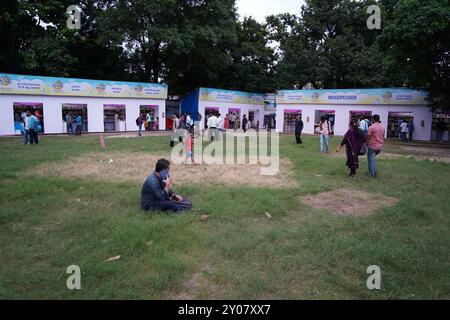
[156,193]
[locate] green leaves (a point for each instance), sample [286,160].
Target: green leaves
[192,43]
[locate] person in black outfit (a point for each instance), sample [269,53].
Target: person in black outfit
[298,129]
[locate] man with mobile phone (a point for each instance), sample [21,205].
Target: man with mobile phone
[157,194]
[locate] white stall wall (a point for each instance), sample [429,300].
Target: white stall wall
[52,111]
[224,107]
[342,114]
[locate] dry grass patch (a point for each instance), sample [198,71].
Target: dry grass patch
[135,167]
[349,202]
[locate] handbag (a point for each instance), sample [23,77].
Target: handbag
[363,150]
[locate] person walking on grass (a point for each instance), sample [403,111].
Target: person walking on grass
[188,148]
[353,141]
[298,129]
[325,131]
[375,141]
[157,194]
[139,123]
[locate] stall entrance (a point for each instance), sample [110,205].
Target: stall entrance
[395,119]
[330,115]
[237,117]
[208,113]
[440,128]
[270,121]
[74,110]
[290,116]
[253,117]
[114,117]
[356,115]
[151,118]
[20,109]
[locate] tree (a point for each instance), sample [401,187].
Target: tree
[253,60]
[202,55]
[417,43]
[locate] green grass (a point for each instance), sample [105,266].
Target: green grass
[301,253]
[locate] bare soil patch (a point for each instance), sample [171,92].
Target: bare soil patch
[136,167]
[349,202]
[199,286]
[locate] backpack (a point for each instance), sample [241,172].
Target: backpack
[138,121]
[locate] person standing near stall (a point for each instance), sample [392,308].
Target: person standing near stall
[244,123]
[404,130]
[33,127]
[411,129]
[227,122]
[298,129]
[69,124]
[232,120]
[325,131]
[26,133]
[139,123]
[79,124]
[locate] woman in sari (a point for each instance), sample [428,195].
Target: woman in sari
[353,141]
[227,122]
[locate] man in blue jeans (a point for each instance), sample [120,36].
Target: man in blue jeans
[156,192]
[375,141]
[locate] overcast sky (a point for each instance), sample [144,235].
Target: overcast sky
[259,9]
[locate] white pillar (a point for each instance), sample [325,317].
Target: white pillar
[52,116]
[6,116]
[308,112]
[132,112]
[95,116]
[162,114]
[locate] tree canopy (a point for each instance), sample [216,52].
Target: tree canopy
[192,43]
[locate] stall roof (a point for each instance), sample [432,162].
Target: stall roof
[50,86]
[383,96]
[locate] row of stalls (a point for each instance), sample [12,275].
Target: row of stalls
[394,105]
[108,106]
[280,111]
[104,106]
[259,108]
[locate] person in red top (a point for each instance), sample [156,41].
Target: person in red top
[188,148]
[375,142]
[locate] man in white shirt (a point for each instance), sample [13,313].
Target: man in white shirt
[189,121]
[220,122]
[364,126]
[404,129]
[212,126]
[26,133]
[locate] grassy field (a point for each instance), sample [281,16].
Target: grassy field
[49,223]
